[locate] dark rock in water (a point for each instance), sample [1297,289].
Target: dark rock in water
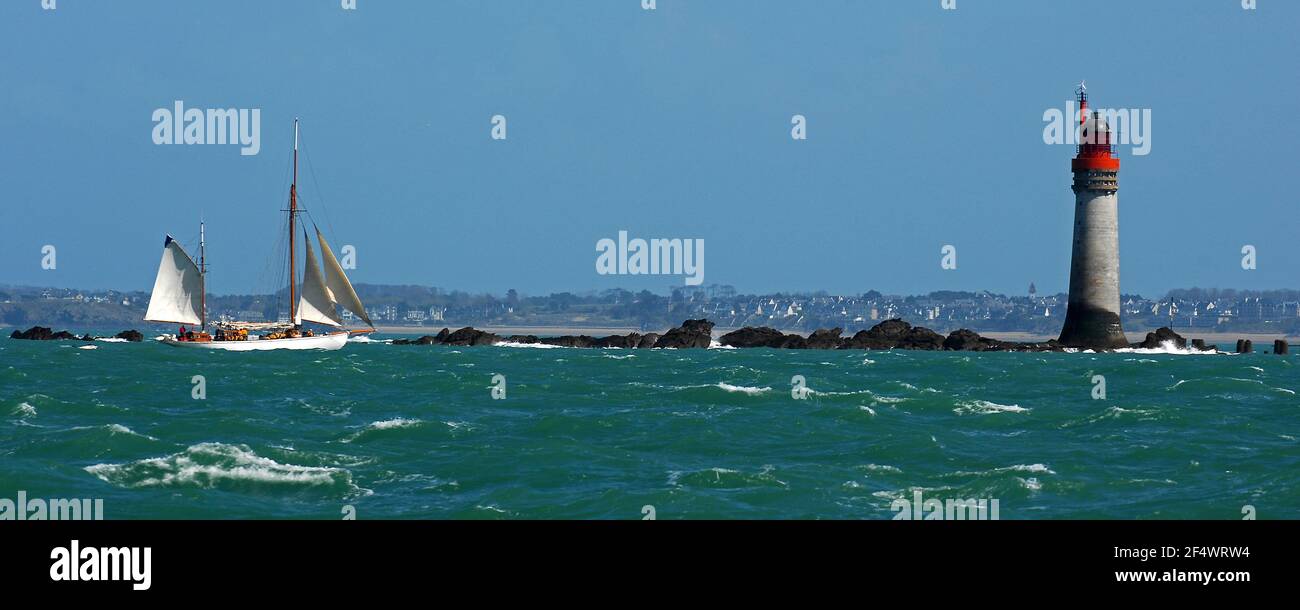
[133,336]
[569,341]
[1280,347]
[1155,339]
[86,337]
[471,336]
[922,338]
[425,339]
[1248,347]
[792,342]
[692,333]
[824,339]
[40,333]
[523,339]
[970,341]
[648,341]
[885,335]
[753,337]
[1198,344]
[629,341]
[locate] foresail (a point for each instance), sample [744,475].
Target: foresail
[315,303]
[338,283]
[178,290]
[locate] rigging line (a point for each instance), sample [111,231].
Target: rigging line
[320,198]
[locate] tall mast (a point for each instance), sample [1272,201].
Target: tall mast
[203,282]
[293,212]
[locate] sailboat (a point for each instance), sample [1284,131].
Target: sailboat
[179,296]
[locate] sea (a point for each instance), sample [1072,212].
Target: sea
[380,431]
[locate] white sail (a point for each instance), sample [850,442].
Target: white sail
[178,290]
[337,282]
[315,303]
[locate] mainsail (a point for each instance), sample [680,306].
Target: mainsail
[315,303]
[178,290]
[337,282]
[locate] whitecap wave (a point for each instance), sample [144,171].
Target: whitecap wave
[752,391]
[532,345]
[24,409]
[1035,468]
[209,465]
[397,422]
[881,468]
[387,424]
[985,407]
[112,339]
[114,429]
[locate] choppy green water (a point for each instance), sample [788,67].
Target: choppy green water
[413,432]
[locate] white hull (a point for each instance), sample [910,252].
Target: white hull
[331,341]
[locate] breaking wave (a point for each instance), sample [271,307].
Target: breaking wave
[985,407]
[218,465]
[752,391]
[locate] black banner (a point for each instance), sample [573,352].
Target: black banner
[173,559]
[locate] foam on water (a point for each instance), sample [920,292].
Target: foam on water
[387,424]
[527,345]
[209,465]
[985,407]
[1166,347]
[752,391]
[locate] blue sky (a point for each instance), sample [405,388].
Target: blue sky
[924,129]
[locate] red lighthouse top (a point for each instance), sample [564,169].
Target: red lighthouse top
[1095,150]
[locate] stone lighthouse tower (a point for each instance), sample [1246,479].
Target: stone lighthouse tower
[1092,317]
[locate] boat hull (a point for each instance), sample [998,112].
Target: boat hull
[331,341]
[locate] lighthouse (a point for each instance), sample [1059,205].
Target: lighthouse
[1092,315]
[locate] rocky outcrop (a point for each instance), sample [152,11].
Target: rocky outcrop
[471,336]
[629,341]
[133,336]
[438,339]
[753,337]
[964,340]
[40,333]
[1157,339]
[895,333]
[569,341]
[890,334]
[824,339]
[692,333]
